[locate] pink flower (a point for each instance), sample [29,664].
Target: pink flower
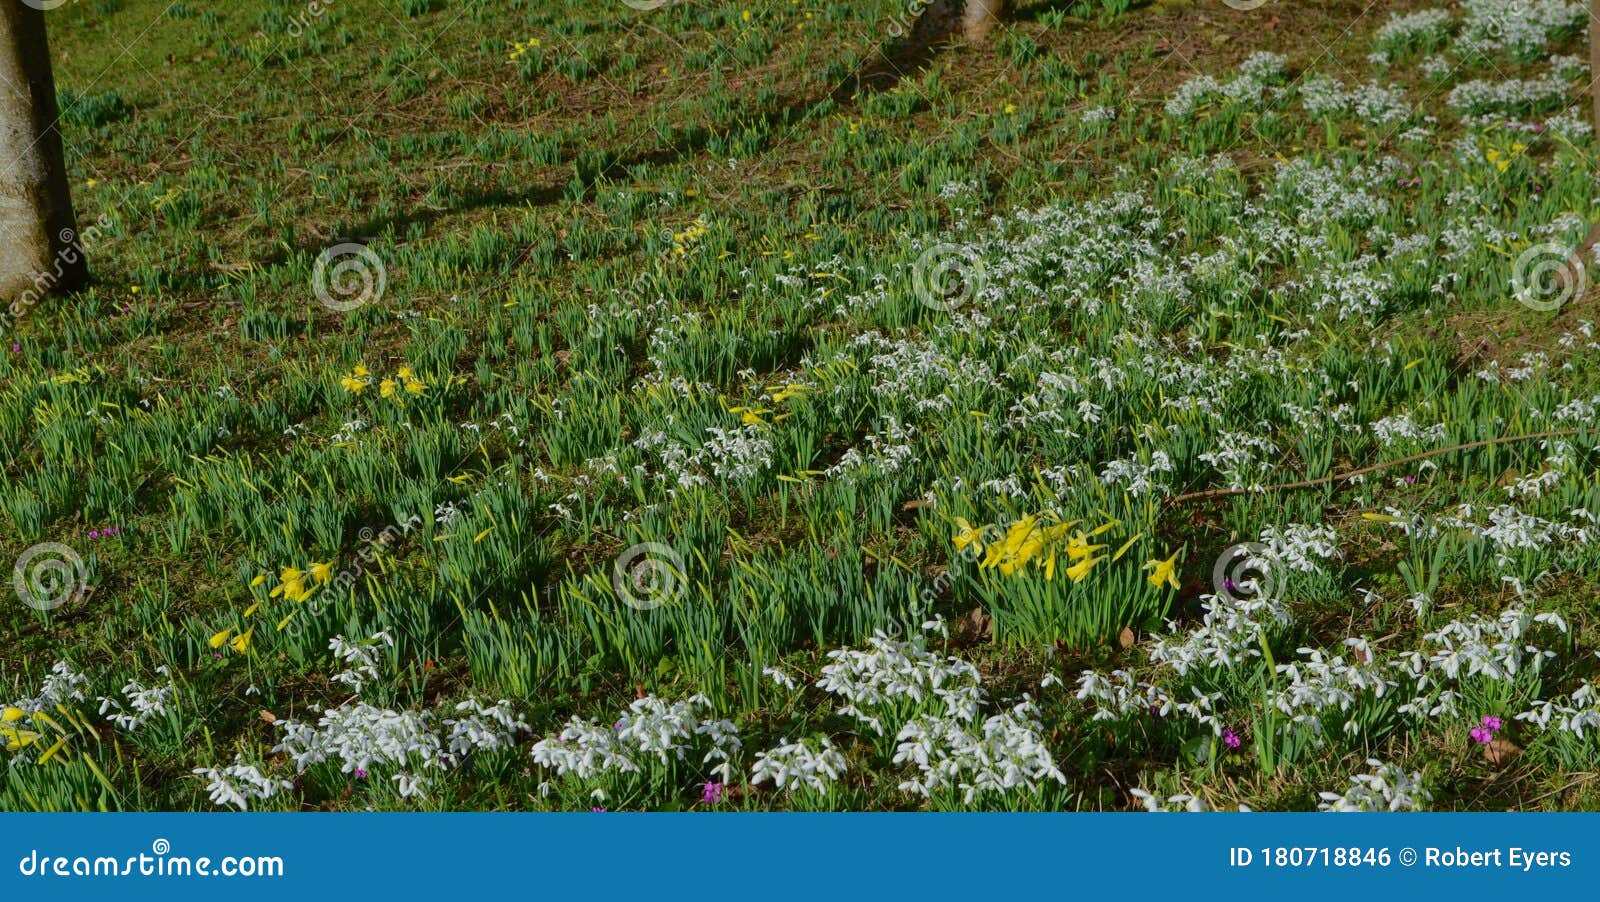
[1482,735]
[1231,739]
[711,794]
[1492,722]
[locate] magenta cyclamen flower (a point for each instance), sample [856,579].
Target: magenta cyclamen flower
[598,810]
[1492,722]
[1231,739]
[1482,735]
[711,794]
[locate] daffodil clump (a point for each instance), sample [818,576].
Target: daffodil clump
[402,384]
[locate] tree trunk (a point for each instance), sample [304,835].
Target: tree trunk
[39,249]
[1572,275]
[972,19]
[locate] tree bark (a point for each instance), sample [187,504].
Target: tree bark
[40,253]
[1570,275]
[943,19]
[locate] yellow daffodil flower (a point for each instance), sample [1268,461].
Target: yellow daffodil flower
[12,714]
[241,642]
[17,739]
[218,638]
[292,585]
[1163,571]
[321,573]
[1078,571]
[968,535]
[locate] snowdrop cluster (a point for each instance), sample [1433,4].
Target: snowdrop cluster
[1322,683]
[1518,29]
[362,737]
[1006,753]
[808,764]
[1574,714]
[1300,547]
[1231,631]
[1494,648]
[895,676]
[651,727]
[360,658]
[735,455]
[143,704]
[1388,787]
[62,685]
[1177,802]
[240,784]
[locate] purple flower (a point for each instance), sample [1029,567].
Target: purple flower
[16,348]
[94,533]
[1229,584]
[1492,722]
[598,810]
[1482,735]
[360,774]
[1231,739]
[711,794]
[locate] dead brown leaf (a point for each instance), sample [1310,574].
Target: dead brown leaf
[1500,752]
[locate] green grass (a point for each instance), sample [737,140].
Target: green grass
[650,292]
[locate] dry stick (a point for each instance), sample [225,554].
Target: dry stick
[1340,477]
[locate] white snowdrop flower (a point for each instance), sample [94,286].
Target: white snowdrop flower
[410,784]
[1005,754]
[891,673]
[360,658]
[484,728]
[239,784]
[1386,788]
[1177,802]
[361,736]
[650,727]
[1231,631]
[808,764]
[145,703]
[62,685]
[1298,546]
[780,678]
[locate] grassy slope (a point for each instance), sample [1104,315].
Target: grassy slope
[507,197]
